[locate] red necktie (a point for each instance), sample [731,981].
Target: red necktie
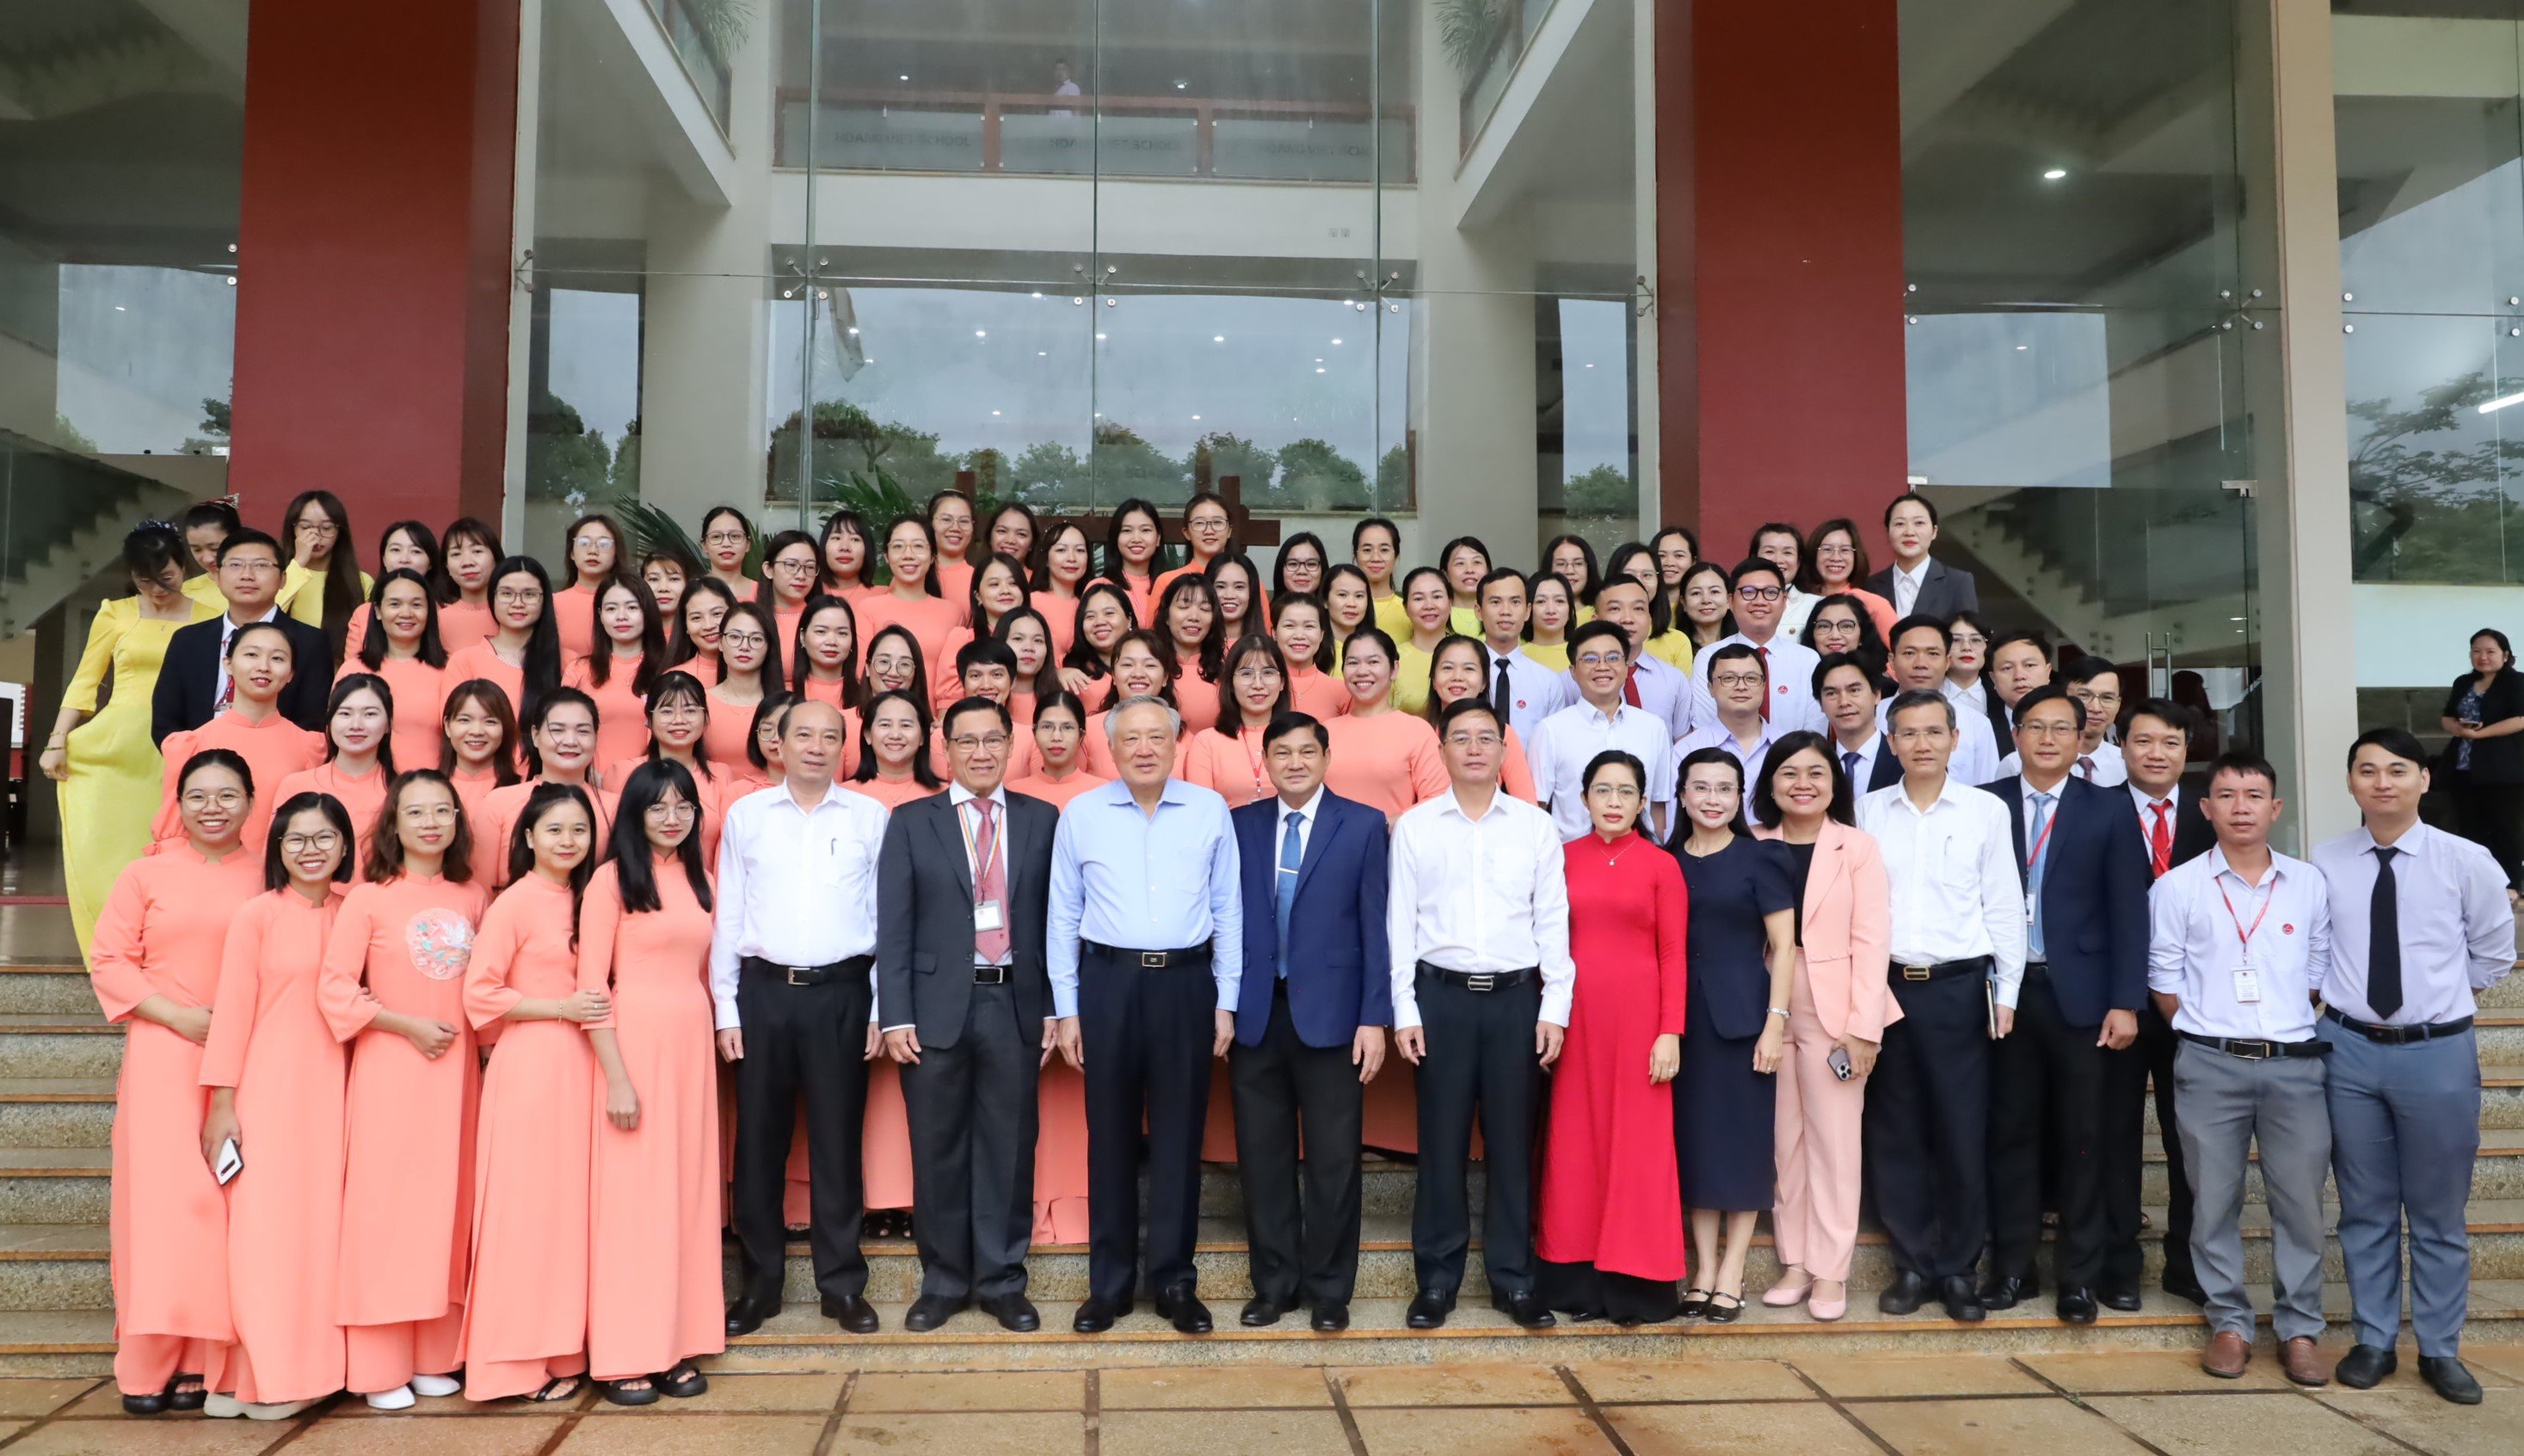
[2160,839]
[1766,682]
[990,885]
[1630,689]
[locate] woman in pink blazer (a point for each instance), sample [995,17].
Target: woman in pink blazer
[1838,1007]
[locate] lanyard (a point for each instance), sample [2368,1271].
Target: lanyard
[1250,740]
[973,852]
[2242,935]
[2049,821]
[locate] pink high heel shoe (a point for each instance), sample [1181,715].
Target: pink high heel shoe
[1791,1289]
[1826,1310]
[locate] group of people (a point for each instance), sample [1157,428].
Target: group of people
[1701,891]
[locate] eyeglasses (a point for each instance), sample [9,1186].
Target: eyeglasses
[1257,673]
[1760,594]
[742,641]
[299,843]
[1475,739]
[427,814]
[518,596]
[1618,793]
[2089,694]
[249,563]
[320,527]
[2046,728]
[800,567]
[671,808]
[1602,660]
[226,799]
[967,743]
[725,538]
[1735,680]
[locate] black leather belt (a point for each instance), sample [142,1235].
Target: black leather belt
[856,965]
[2258,1052]
[2400,1036]
[993,975]
[1481,980]
[1152,960]
[1979,964]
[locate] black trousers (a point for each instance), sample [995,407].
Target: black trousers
[2491,816]
[1927,1127]
[2049,1078]
[803,1044]
[973,1113]
[1146,1035]
[1287,1092]
[1479,1063]
[2148,1059]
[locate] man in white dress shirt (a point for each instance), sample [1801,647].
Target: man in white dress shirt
[793,976]
[2419,925]
[2241,944]
[1522,689]
[1652,683]
[1760,594]
[1922,647]
[1558,752]
[1957,942]
[1477,910]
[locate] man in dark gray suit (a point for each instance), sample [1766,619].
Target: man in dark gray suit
[966,1002]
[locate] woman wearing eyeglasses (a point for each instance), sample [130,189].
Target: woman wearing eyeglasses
[1228,756]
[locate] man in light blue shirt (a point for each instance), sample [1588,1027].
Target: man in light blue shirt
[1146,954]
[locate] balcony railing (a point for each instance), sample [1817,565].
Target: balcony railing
[1518,20]
[877,130]
[700,52]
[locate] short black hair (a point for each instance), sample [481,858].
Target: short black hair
[1498,574]
[2246,763]
[1734,650]
[1765,807]
[1599,627]
[2047,692]
[947,720]
[1358,533]
[985,652]
[2087,669]
[1615,758]
[2035,639]
[249,535]
[2164,710]
[1922,502]
[1296,722]
[218,513]
[275,864]
[1920,697]
[2401,742]
[1921,622]
[1751,564]
[1865,667]
[1465,708]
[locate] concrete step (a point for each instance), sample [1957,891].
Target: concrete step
[800,1339]
[56,1111]
[44,989]
[59,1044]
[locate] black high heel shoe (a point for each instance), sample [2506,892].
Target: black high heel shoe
[1724,1314]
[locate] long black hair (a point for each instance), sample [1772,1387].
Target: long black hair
[653,634]
[542,667]
[1279,568]
[1082,653]
[921,771]
[341,568]
[802,667]
[1230,713]
[484,695]
[772,705]
[1210,655]
[632,870]
[343,687]
[1114,571]
[275,864]
[1047,678]
[540,715]
[442,587]
[1682,775]
[373,643]
[1766,805]
[385,846]
[544,799]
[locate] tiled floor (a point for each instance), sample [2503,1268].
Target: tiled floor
[2108,1404]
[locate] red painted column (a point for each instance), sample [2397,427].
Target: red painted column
[372,257]
[1779,265]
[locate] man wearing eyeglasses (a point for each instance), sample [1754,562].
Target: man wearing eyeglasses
[1565,743]
[1760,598]
[193,686]
[964,996]
[2096,684]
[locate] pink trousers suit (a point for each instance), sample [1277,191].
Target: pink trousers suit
[1839,991]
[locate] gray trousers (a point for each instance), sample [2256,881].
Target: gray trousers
[2229,1104]
[2405,1131]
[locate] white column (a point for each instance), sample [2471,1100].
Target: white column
[1643,233]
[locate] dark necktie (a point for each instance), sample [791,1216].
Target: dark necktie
[1849,766]
[2383,940]
[1501,697]
[1284,885]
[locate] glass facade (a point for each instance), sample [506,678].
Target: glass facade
[1073,252]
[2082,328]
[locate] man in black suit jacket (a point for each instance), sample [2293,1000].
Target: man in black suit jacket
[1310,1023]
[2173,829]
[1934,589]
[1848,686]
[192,684]
[964,996]
[2085,977]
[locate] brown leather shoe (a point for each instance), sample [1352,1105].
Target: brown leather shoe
[2227,1355]
[2300,1361]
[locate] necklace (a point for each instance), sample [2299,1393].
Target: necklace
[1615,856]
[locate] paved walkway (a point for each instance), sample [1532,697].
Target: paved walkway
[1835,1406]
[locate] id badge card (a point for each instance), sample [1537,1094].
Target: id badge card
[988,915]
[2247,984]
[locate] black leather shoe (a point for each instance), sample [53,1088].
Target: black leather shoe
[2365,1367]
[1184,1307]
[1525,1310]
[852,1312]
[2124,1301]
[2446,1375]
[1904,1295]
[1098,1313]
[1961,1301]
[2185,1287]
[745,1316]
[1330,1319]
[1428,1310]
[1261,1310]
[2008,1293]
[1015,1313]
[2077,1305]
[930,1311]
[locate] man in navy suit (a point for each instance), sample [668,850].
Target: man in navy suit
[2085,976]
[1309,1024]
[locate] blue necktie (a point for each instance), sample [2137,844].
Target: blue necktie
[2034,872]
[1292,852]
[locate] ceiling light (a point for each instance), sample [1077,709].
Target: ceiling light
[902,77]
[1195,417]
[118,308]
[1043,354]
[1218,338]
[1100,338]
[854,328]
[2055,174]
[994,414]
[1180,85]
[1038,295]
[1336,343]
[1319,369]
[980,333]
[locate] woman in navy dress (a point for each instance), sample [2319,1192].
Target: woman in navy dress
[1742,953]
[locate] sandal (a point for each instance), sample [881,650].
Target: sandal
[1695,1304]
[179,1400]
[148,1402]
[559,1387]
[684,1381]
[1724,1314]
[620,1392]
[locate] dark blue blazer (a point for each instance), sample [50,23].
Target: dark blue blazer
[1339,969]
[2094,897]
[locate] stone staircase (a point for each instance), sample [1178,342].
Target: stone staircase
[58,1060]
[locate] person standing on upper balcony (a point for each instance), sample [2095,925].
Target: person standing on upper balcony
[1916,583]
[2483,765]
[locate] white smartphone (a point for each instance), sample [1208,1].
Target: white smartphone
[232,1163]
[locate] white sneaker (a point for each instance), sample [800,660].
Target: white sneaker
[435,1385]
[281,1410]
[222,1407]
[397,1399]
